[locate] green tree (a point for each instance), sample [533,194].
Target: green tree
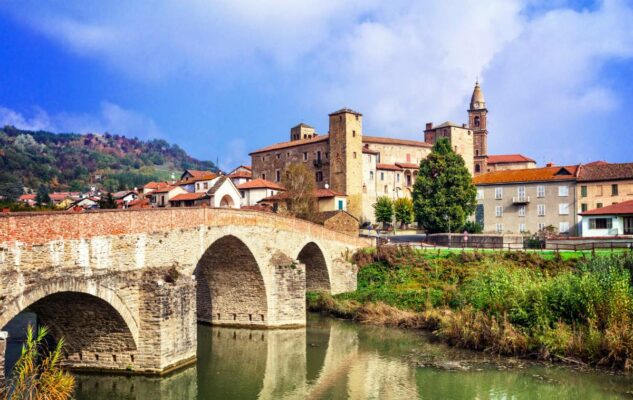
[403,210]
[10,187]
[42,196]
[300,185]
[443,195]
[37,374]
[383,210]
[107,202]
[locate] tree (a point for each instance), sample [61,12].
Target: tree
[403,210]
[107,202]
[299,196]
[42,196]
[383,210]
[443,195]
[37,374]
[10,187]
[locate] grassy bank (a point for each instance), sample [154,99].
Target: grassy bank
[512,303]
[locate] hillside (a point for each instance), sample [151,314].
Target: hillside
[69,161]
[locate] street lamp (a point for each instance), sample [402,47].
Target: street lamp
[448,219]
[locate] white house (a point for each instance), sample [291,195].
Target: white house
[252,192]
[613,220]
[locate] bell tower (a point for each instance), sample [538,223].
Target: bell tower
[477,122]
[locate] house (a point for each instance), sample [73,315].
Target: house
[613,220]
[192,173]
[160,197]
[201,182]
[527,200]
[602,184]
[216,192]
[253,191]
[123,197]
[151,186]
[327,200]
[139,203]
[502,162]
[28,199]
[86,203]
[241,174]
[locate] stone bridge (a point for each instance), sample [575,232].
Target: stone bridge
[125,289]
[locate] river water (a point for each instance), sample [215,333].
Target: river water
[333,359]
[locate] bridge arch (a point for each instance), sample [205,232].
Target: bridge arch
[99,331]
[317,269]
[231,288]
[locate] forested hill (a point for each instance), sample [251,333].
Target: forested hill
[69,161]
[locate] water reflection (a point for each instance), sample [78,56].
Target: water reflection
[339,360]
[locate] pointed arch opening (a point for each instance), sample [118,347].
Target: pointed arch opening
[230,286]
[317,275]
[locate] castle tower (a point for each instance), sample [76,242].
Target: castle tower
[477,115]
[302,131]
[346,152]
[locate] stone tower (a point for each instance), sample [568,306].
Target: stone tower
[346,155]
[477,115]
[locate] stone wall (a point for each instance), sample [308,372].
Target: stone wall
[3,347]
[133,276]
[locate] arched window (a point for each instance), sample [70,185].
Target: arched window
[477,121]
[477,168]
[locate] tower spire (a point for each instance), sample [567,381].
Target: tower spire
[477,100]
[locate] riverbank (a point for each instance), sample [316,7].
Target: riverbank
[575,310]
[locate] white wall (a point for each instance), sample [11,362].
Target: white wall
[617,226]
[227,189]
[253,196]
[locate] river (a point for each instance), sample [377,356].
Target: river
[333,359]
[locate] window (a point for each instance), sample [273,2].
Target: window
[499,228]
[521,192]
[583,207]
[278,155]
[540,209]
[540,191]
[197,186]
[499,193]
[541,226]
[522,228]
[371,175]
[522,211]
[563,191]
[341,205]
[614,190]
[600,223]
[563,227]
[563,209]
[480,194]
[319,176]
[277,175]
[318,156]
[353,135]
[477,121]
[599,190]
[382,177]
[205,185]
[354,154]
[397,177]
[583,191]
[477,168]
[264,176]
[598,205]
[499,211]
[242,193]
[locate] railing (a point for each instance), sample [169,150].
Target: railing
[521,199]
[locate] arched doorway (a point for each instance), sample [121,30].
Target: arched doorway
[317,275]
[95,334]
[230,286]
[227,202]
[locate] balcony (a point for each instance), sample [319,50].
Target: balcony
[521,199]
[319,162]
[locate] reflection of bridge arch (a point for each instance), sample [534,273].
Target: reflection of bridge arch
[230,285]
[317,269]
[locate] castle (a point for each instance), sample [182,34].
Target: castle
[365,167]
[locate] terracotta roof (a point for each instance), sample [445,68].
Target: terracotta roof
[386,140]
[389,167]
[293,143]
[528,175]
[241,174]
[26,197]
[155,185]
[408,165]
[188,196]
[367,150]
[598,162]
[605,172]
[508,158]
[626,207]
[206,177]
[138,203]
[260,184]
[164,189]
[196,173]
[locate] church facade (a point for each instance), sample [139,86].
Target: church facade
[366,167]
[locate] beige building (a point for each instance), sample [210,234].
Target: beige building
[602,184]
[365,167]
[528,200]
[505,162]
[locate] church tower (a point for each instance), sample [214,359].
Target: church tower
[477,115]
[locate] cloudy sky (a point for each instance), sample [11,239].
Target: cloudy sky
[221,78]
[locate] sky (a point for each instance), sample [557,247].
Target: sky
[223,78]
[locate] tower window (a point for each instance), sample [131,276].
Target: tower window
[305,156]
[353,133]
[477,168]
[477,121]
[354,154]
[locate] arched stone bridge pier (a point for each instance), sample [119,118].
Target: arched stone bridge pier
[126,288]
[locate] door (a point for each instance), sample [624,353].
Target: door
[628,225]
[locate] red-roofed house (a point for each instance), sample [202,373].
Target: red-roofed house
[252,192]
[504,162]
[327,200]
[613,220]
[29,199]
[241,174]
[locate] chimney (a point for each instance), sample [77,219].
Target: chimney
[463,125]
[549,164]
[429,125]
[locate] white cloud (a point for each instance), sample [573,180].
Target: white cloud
[110,118]
[402,63]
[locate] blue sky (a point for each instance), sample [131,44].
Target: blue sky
[222,78]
